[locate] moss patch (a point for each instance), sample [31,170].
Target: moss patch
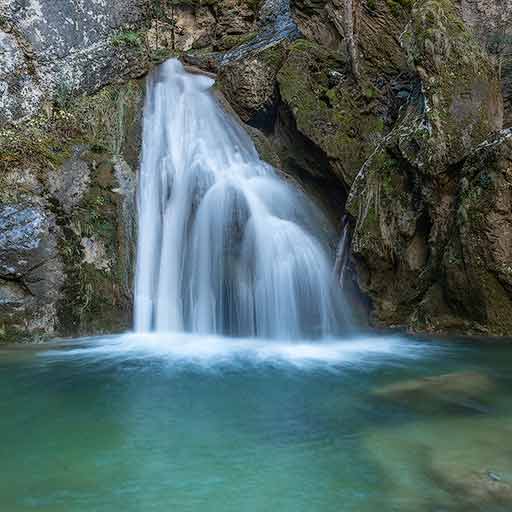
[331,110]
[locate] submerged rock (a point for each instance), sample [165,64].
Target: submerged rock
[475,489]
[462,464]
[451,387]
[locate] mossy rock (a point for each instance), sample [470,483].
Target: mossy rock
[462,97]
[73,162]
[479,255]
[330,110]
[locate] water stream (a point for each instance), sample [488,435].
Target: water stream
[225,245]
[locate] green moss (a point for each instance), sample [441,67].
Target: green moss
[11,334]
[254,5]
[128,38]
[159,55]
[92,294]
[336,117]
[274,56]
[46,141]
[459,84]
[399,7]
[230,41]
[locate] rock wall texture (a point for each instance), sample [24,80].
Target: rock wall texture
[68,156]
[67,216]
[52,48]
[393,113]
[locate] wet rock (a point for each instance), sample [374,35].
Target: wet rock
[250,87]
[474,488]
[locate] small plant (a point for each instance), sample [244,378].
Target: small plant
[500,46]
[398,7]
[63,95]
[127,38]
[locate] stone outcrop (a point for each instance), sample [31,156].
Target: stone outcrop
[477,262]
[55,49]
[67,216]
[491,21]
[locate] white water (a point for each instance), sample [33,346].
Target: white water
[181,350]
[225,246]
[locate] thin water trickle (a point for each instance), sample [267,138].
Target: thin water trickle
[225,245]
[343,252]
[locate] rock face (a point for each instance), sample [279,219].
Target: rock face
[478,259]
[31,272]
[67,217]
[58,48]
[491,21]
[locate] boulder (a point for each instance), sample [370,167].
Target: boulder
[31,268]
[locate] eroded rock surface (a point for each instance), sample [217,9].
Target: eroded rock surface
[59,48]
[67,217]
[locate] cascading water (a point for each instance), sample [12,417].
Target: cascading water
[225,246]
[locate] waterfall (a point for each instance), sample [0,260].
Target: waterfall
[225,246]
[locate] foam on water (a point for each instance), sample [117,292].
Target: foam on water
[210,351]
